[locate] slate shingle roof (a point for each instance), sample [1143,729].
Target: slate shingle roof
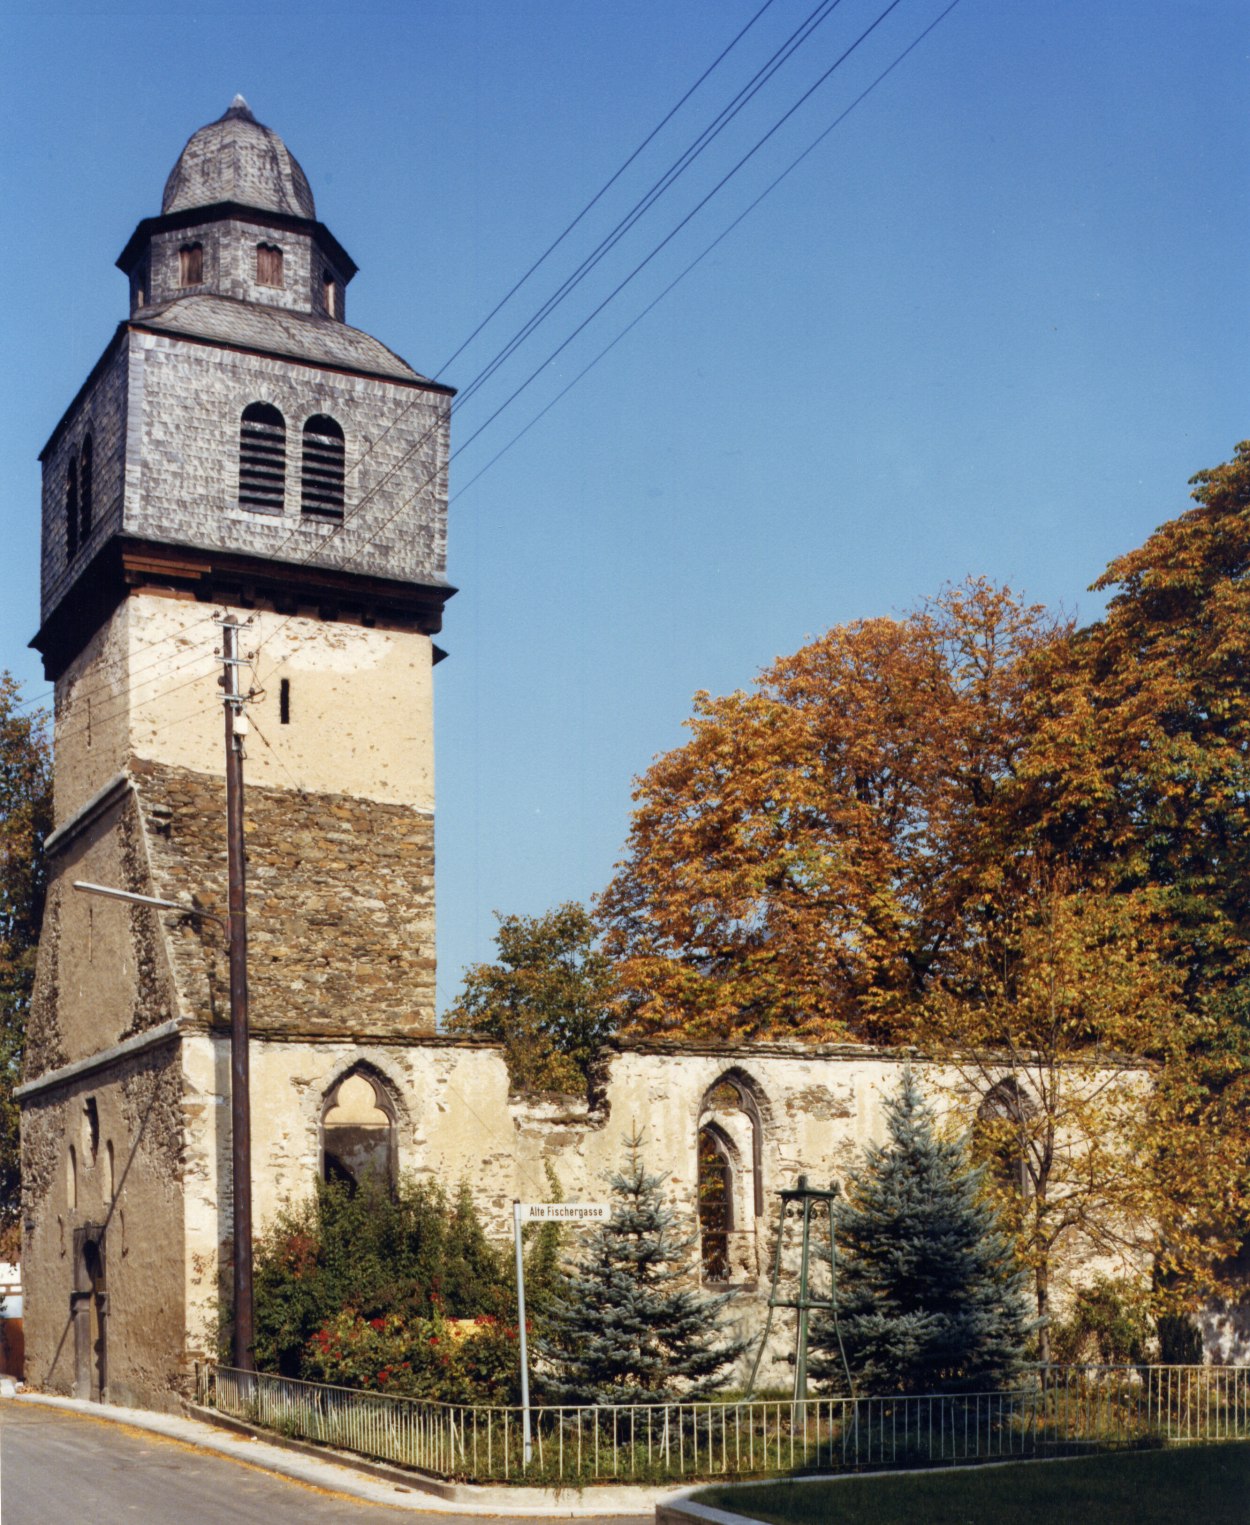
[237,159]
[275,331]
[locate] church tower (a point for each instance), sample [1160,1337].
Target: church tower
[237,449]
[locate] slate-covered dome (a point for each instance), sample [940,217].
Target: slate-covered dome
[235,158]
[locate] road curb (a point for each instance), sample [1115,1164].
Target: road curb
[340,1472]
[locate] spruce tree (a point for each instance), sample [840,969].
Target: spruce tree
[626,1326]
[930,1297]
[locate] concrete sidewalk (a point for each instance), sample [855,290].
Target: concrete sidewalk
[390,1486]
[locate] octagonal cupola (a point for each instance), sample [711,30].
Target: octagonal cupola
[238,220]
[236,158]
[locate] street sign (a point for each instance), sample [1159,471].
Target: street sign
[565,1212]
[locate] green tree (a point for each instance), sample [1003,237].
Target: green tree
[929,1292]
[626,1326]
[548,1000]
[25,821]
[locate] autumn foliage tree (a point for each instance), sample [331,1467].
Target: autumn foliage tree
[1011,839]
[25,820]
[810,860]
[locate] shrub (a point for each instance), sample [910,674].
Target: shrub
[406,1254]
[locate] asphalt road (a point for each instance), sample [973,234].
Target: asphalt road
[59,1468]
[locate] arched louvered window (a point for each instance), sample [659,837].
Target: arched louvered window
[84,491]
[191,265]
[323,471]
[268,265]
[71,509]
[262,459]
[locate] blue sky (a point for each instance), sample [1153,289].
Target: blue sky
[990,325]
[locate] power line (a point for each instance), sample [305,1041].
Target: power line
[603,189]
[638,268]
[498,359]
[643,263]
[699,258]
[797,38]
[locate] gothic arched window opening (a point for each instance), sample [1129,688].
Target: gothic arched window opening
[730,1178]
[85,490]
[323,467]
[191,265]
[268,265]
[1001,1133]
[358,1131]
[716,1219]
[262,459]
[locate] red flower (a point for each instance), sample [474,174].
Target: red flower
[433,1339]
[377,1323]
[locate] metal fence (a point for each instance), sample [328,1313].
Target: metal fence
[1056,1411]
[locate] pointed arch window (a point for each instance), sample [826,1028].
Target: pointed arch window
[191,265]
[730,1195]
[323,471]
[85,490]
[716,1201]
[262,459]
[358,1131]
[1001,1134]
[268,265]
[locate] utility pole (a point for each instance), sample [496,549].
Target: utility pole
[240,1101]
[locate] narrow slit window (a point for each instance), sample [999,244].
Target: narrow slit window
[323,467]
[71,510]
[191,265]
[284,702]
[262,459]
[330,287]
[268,265]
[85,490]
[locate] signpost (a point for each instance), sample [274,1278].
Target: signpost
[573,1213]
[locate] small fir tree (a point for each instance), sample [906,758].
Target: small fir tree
[626,1326]
[930,1296]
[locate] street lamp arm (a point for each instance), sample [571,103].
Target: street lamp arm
[162,905]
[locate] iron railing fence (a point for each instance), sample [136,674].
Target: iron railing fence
[1057,1410]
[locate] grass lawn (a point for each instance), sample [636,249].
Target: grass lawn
[1208,1484]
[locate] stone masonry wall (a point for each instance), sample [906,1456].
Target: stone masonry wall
[340,900]
[126,1180]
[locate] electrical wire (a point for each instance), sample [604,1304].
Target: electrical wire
[664,242]
[797,38]
[699,258]
[621,286]
[602,191]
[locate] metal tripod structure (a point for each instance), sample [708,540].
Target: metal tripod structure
[807,1197]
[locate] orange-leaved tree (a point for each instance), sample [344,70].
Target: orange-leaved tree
[25,820]
[806,863]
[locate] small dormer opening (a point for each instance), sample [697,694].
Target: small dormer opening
[268,265]
[331,289]
[262,459]
[323,467]
[191,265]
[85,499]
[71,509]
